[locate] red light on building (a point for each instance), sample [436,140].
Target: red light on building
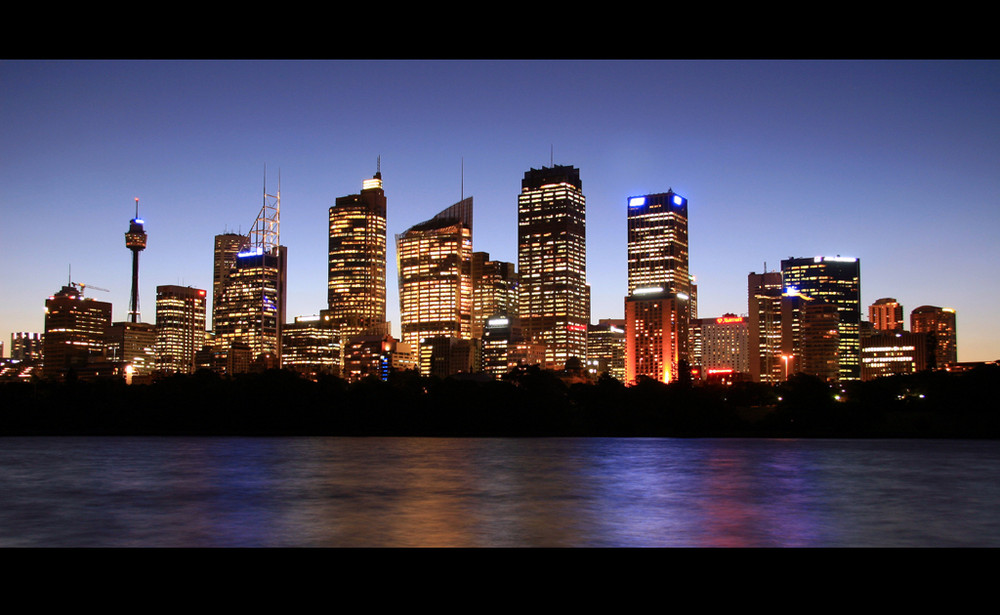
[725,320]
[576,327]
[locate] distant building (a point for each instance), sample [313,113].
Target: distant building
[834,280]
[227,246]
[251,310]
[893,352]
[376,356]
[724,345]
[606,351]
[357,259]
[26,346]
[311,346]
[940,323]
[435,277]
[448,355]
[495,287]
[74,332]
[764,292]
[886,315]
[133,345]
[554,299]
[180,327]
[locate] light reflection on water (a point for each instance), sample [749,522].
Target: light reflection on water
[478,492]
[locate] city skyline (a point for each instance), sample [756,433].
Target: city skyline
[889,162]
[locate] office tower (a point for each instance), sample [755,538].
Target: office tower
[180,327]
[940,324]
[835,280]
[376,355]
[227,246]
[26,347]
[554,300]
[495,287]
[311,346]
[764,292]
[501,334]
[252,302]
[725,345]
[135,240]
[357,255]
[655,334]
[659,283]
[74,332]
[434,262]
[658,242]
[447,355]
[886,315]
[888,353]
[606,351]
[810,336]
[131,345]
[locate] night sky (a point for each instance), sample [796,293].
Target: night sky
[893,162]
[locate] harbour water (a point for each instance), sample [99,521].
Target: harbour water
[497,492]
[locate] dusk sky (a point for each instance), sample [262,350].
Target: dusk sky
[894,162]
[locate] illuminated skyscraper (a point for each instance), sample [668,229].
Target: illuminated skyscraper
[764,292]
[251,308]
[886,315]
[133,346]
[835,280]
[940,324]
[357,255]
[659,283]
[311,346]
[74,332]
[494,290]
[554,299]
[180,327]
[434,263]
[227,246]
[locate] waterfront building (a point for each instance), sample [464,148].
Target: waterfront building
[227,246]
[724,345]
[554,299]
[941,324]
[656,329]
[494,290]
[764,291]
[311,346]
[356,285]
[133,345]
[448,355]
[606,351]
[834,280]
[810,337]
[886,315]
[180,327]
[435,277]
[74,332]
[892,352]
[374,355]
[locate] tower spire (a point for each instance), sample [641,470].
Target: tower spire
[135,240]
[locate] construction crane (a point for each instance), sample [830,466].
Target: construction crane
[83,286]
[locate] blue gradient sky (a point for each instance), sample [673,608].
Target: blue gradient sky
[894,162]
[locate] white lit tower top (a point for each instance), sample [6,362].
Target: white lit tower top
[135,240]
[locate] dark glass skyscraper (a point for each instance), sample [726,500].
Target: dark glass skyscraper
[835,280]
[554,298]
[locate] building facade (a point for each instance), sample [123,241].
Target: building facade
[434,262]
[941,324]
[311,346]
[554,299]
[725,345]
[495,286]
[886,315]
[75,330]
[180,327]
[834,280]
[227,246]
[764,291]
[656,328]
[894,352]
[251,308]
[357,259]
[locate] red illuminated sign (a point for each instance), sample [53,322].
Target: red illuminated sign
[576,327]
[725,320]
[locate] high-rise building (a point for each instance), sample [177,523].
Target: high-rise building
[227,246]
[554,299]
[74,332]
[940,323]
[888,353]
[659,283]
[494,290]
[180,327]
[133,346]
[251,308]
[764,291]
[357,257]
[656,329]
[606,351]
[135,240]
[886,315]
[311,346]
[724,345]
[434,263]
[835,280]
[26,346]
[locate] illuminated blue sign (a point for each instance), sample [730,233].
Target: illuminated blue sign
[637,201]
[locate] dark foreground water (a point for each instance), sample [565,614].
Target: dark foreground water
[483,492]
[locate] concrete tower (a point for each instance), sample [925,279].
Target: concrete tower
[135,240]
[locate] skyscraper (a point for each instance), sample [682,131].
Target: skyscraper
[659,285]
[74,331]
[227,246]
[494,290]
[886,315]
[764,292]
[357,256]
[434,262]
[835,280]
[251,308]
[554,298]
[180,327]
[940,324]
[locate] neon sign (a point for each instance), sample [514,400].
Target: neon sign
[723,320]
